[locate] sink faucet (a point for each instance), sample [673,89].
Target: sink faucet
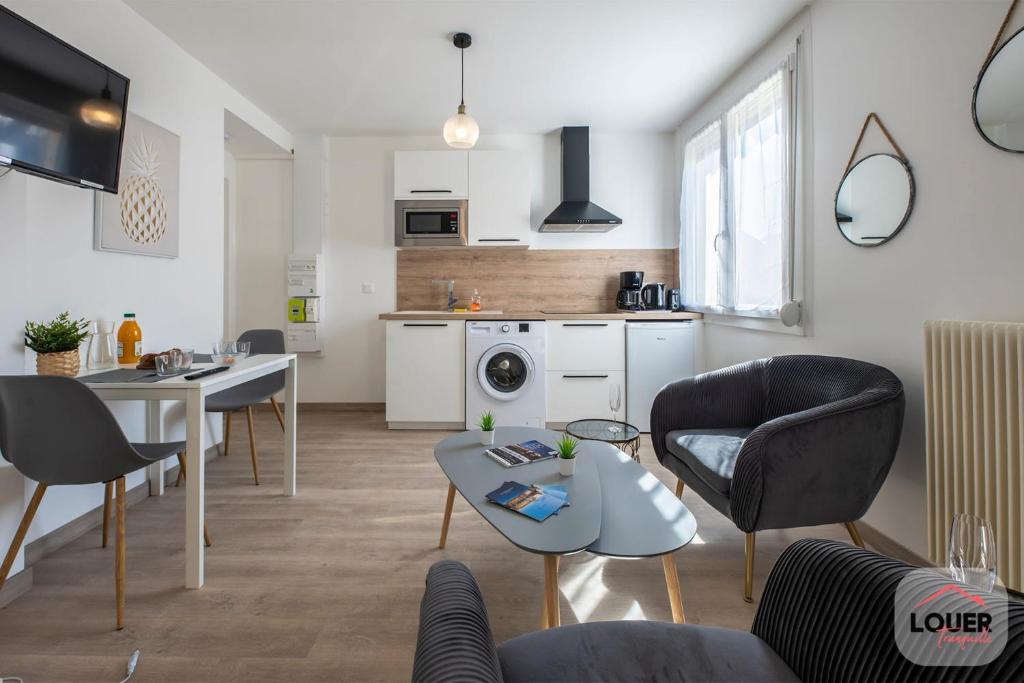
[451,292]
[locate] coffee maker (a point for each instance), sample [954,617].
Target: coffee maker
[629,298]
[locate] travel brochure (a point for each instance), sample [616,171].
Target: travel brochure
[521,453]
[536,501]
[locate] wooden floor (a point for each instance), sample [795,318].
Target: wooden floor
[326,586]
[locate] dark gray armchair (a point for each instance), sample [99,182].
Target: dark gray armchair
[826,615]
[782,442]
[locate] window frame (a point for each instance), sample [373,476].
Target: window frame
[794,56]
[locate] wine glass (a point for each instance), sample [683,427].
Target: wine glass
[614,402]
[972,551]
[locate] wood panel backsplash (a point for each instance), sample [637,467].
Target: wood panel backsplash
[554,280]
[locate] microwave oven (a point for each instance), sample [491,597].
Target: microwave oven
[431,222]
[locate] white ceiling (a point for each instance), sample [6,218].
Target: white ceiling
[388,66]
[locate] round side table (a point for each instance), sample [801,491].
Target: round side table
[622,435]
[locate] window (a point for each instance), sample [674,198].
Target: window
[736,209]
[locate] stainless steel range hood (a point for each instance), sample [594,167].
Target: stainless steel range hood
[577,213]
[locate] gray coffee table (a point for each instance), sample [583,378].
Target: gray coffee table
[618,508]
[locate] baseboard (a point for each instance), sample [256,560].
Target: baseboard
[341,407]
[887,546]
[83,524]
[16,586]
[445,426]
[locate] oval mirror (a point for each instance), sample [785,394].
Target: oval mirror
[874,200]
[999,96]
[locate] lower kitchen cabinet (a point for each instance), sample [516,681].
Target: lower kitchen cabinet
[426,373]
[580,395]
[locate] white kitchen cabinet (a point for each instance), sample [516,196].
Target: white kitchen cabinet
[586,345]
[499,199]
[585,359]
[432,175]
[426,373]
[581,395]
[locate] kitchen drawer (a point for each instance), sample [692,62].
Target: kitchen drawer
[426,371]
[582,395]
[580,345]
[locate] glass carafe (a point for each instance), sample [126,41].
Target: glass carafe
[102,347]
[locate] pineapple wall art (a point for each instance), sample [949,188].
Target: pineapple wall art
[143,217]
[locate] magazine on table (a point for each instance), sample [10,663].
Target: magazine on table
[523,453]
[536,502]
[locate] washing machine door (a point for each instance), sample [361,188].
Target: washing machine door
[505,372]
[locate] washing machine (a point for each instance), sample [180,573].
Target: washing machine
[506,372]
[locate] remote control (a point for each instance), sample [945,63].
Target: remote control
[210,371]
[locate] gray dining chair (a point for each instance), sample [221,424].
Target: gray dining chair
[87,448]
[245,396]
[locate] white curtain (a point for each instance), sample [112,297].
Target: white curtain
[700,210]
[757,158]
[735,214]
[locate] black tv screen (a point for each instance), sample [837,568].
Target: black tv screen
[61,112]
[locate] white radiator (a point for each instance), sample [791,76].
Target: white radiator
[974,424]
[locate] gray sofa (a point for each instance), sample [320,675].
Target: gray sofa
[782,442]
[826,615]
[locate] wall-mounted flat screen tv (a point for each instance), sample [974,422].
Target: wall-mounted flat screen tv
[62,113]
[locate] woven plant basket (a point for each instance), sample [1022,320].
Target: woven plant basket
[63,363]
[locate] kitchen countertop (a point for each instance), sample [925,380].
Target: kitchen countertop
[541,315]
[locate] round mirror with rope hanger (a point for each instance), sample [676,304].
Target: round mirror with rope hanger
[997,105]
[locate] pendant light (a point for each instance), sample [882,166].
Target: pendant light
[461,131]
[102,112]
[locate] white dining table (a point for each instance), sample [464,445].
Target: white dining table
[194,393]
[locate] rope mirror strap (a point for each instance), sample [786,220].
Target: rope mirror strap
[860,138]
[1002,29]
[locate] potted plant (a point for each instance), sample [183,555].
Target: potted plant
[56,344]
[566,448]
[487,429]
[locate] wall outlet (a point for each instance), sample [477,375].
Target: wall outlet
[369,288]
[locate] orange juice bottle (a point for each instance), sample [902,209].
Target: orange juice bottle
[129,341]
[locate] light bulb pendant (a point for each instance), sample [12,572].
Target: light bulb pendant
[461,131]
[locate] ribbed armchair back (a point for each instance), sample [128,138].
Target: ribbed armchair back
[796,383]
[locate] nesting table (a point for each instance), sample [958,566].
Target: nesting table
[622,435]
[617,508]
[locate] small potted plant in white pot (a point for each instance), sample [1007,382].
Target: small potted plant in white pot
[56,344]
[487,429]
[567,447]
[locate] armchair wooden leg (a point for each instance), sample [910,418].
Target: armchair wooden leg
[120,554]
[679,488]
[252,446]
[855,534]
[227,431]
[108,492]
[19,535]
[277,411]
[668,564]
[748,576]
[182,475]
[447,515]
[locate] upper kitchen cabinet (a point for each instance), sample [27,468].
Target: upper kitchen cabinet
[499,199]
[431,175]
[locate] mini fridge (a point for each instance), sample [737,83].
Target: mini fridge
[656,353]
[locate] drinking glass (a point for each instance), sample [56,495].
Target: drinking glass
[187,355]
[614,402]
[972,551]
[169,363]
[243,348]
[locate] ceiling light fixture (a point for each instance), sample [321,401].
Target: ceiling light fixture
[461,130]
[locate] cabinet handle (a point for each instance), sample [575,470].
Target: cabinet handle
[584,376]
[430,191]
[498,239]
[584,324]
[424,324]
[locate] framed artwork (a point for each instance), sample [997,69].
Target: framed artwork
[142,218]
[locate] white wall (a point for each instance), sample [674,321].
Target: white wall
[631,176]
[915,64]
[47,261]
[264,238]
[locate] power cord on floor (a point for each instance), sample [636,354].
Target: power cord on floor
[133,662]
